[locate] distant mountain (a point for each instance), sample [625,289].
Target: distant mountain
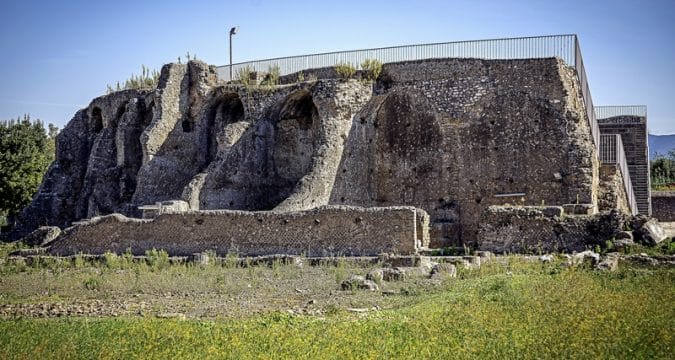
[660,144]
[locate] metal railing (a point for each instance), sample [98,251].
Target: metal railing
[604,112]
[612,153]
[562,46]
[565,47]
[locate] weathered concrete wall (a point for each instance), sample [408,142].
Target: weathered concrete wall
[325,231]
[663,205]
[633,131]
[612,193]
[449,136]
[544,230]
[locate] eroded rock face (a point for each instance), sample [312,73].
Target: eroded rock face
[448,136]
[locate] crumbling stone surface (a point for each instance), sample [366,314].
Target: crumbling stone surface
[612,193]
[529,230]
[324,231]
[450,136]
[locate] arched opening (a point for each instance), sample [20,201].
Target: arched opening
[226,109]
[96,120]
[295,136]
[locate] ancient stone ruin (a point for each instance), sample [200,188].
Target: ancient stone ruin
[432,154]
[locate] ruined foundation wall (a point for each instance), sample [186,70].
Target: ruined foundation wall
[663,205]
[325,231]
[542,229]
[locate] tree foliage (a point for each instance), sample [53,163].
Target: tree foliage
[663,171]
[26,150]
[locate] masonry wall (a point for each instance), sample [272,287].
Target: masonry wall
[612,194]
[663,205]
[633,131]
[326,231]
[542,229]
[452,135]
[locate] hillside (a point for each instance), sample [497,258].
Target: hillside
[660,144]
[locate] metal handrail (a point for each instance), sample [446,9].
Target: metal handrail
[561,46]
[612,153]
[604,112]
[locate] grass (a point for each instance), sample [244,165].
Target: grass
[513,309]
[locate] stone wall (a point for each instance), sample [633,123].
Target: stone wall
[325,231]
[633,131]
[544,229]
[663,205]
[612,193]
[452,136]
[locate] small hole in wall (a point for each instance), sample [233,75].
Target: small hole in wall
[478,199]
[492,122]
[199,221]
[441,200]
[231,203]
[342,199]
[97,119]
[363,120]
[370,141]
[471,181]
[187,125]
[375,124]
[344,170]
[358,220]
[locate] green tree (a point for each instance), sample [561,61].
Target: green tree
[26,150]
[663,171]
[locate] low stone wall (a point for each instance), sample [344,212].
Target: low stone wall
[325,231]
[663,205]
[540,229]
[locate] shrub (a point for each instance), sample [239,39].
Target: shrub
[273,74]
[373,68]
[345,70]
[111,260]
[157,259]
[148,80]
[243,75]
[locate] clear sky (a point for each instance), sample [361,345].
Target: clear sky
[58,55]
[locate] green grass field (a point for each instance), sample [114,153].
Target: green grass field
[521,310]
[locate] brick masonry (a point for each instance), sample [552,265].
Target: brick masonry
[633,131]
[325,231]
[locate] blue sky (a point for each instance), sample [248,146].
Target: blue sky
[58,55]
